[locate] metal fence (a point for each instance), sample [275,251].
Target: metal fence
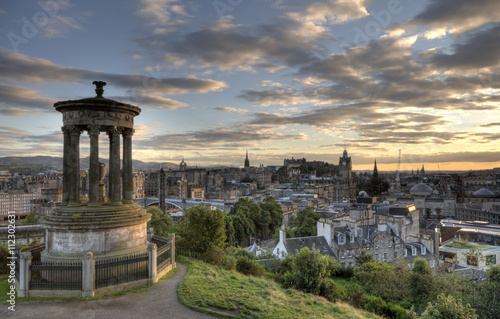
[164,252]
[115,271]
[163,257]
[56,276]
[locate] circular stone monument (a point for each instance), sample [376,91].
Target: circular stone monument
[108,226]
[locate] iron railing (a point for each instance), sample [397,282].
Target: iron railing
[115,271]
[56,276]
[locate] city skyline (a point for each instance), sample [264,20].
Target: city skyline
[278,78]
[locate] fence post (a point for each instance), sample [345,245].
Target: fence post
[88,275]
[151,233]
[152,266]
[24,274]
[171,237]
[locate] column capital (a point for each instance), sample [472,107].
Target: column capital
[65,130]
[127,132]
[93,129]
[74,130]
[112,130]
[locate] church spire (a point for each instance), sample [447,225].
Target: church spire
[247,162]
[375,170]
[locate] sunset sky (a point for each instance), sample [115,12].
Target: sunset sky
[279,78]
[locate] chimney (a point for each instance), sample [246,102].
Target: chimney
[282,234]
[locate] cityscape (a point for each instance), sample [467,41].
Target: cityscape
[266,159]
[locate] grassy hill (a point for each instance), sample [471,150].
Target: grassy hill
[229,294]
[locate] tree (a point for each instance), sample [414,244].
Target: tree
[160,222]
[421,284]
[308,270]
[4,253]
[364,257]
[448,307]
[31,218]
[273,209]
[230,232]
[202,229]
[305,222]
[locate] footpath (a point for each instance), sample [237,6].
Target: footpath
[159,301]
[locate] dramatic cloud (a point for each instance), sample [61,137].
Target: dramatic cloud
[480,49]
[163,14]
[14,98]
[455,16]
[221,139]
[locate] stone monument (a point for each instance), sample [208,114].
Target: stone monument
[107,226]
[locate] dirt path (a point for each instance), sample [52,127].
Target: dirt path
[159,301]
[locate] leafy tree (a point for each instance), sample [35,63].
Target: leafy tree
[273,209]
[364,257]
[487,297]
[160,222]
[230,232]
[31,218]
[305,222]
[448,307]
[381,279]
[202,229]
[422,288]
[308,270]
[4,253]
[244,227]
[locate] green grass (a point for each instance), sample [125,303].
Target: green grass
[466,245]
[213,290]
[5,287]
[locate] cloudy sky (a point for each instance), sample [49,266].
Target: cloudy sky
[279,78]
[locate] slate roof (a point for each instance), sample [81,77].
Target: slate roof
[314,243]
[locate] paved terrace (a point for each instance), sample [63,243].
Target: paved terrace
[159,301]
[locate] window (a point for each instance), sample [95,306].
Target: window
[413,250]
[343,255]
[406,252]
[350,253]
[385,256]
[352,238]
[341,239]
[491,260]
[376,256]
[423,249]
[472,260]
[395,255]
[390,242]
[360,232]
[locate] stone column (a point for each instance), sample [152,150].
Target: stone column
[24,274]
[152,265]
[74,165]
[66,184]
[94,131]
[88,275]
[114,166]
[128,183]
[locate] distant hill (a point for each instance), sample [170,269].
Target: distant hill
[56,163]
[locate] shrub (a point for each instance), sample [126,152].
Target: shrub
[331,291]
[218,256]
[249,267]
[379,306]
[345,272]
